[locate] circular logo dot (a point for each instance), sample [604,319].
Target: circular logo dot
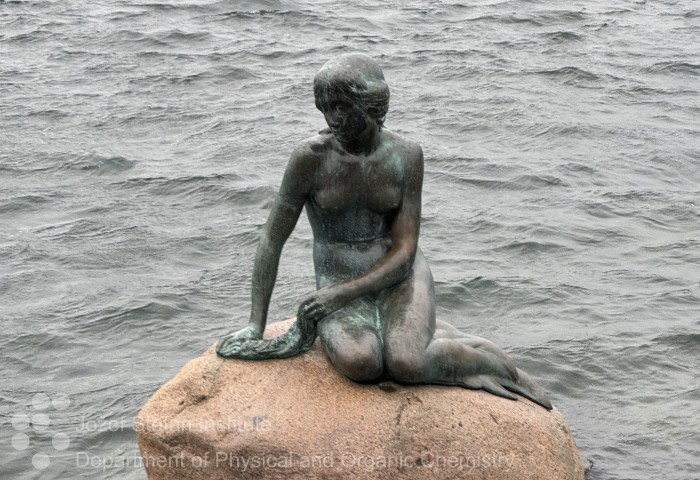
[60,401]
[41,401]
[60,441]
[41,461]
[40,422]
[20,421]
[20,441]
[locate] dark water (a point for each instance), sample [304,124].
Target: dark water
[142,143]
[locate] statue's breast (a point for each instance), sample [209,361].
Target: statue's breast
[384,198]
[373,185]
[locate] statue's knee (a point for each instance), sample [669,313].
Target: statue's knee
[404,366]
[361,364]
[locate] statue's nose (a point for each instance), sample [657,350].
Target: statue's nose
[334,119]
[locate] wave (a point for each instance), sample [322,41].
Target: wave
[634,195]
[562,36]
[455,72]
[646,90]
[682,246]
[99,165]
[167,6]
[205,190]
[533,19]
[23,252]
[258,5]
[81,229]
[574,76]
[35,36]
[223,74]
[25,203]
[531,247]
[520,183]
[210,8]
[38,341]
[688,341]
[134,37]
[286,15]
[507,19]
[111,321]
[460,295]
[678,68]
[604,209]
[575,167]
[179,36]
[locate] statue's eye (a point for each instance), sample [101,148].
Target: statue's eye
[342,107]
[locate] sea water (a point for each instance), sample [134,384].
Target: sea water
[142,143]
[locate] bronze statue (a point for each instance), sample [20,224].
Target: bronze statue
[374,308]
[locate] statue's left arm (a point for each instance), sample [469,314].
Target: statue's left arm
[398,260]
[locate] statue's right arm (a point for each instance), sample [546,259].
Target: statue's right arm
[295,189]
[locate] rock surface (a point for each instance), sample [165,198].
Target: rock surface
[300,419]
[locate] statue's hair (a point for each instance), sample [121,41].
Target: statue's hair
[356,78]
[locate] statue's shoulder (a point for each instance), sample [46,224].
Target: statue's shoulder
[318,144]
[311,150]
[412,149]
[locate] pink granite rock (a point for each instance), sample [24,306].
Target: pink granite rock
[300,419]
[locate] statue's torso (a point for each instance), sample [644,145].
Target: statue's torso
[352,206]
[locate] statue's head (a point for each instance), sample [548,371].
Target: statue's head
[356,79]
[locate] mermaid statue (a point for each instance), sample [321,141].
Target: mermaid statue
[374,307]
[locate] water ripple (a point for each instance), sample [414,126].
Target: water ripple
[143,143]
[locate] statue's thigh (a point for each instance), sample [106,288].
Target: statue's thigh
[351,340]
[407,312]
[352,327]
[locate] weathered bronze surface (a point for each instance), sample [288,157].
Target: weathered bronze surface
[374,308]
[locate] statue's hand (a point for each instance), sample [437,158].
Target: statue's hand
[234,337]
[321,303]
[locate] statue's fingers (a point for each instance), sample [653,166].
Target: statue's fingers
[229,347]
[313,306]
[226,343]
[221,347]
[306,303]
[222,342]
[309,305]
[225,352]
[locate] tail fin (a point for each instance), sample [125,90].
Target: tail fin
[526,387]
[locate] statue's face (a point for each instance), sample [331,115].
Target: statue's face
[351,92]
[346,120]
